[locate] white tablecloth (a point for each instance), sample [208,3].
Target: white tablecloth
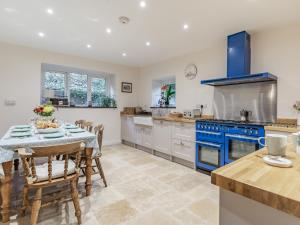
[8,144]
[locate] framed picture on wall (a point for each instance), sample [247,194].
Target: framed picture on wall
[126,87]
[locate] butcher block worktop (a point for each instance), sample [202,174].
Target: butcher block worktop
[288,129]
[252,178]
[174,119]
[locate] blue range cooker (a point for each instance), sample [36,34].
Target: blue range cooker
[219,142]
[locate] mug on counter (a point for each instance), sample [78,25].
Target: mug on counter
[276,144]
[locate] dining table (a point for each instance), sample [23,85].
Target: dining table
[10,142]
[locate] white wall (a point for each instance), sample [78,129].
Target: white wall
[20,73]
[276,51]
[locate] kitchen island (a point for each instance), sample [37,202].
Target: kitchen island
[254,193]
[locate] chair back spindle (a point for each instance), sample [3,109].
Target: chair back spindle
[99,130]
[49,152]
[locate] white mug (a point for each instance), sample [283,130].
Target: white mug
[293,141]
[276,144]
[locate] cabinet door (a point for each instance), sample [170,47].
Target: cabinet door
[131,130]
[139,135]
[184,131]
[162,136]
[183,149]
[148,137]
[124,128]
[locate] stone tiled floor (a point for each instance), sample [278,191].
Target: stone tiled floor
[143,190]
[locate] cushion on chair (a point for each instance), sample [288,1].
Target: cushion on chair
[58,167]
[1,171]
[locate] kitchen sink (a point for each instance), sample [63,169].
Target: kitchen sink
[143,120]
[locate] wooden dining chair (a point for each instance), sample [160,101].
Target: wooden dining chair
[96,157]
[80,123]
[52,173]
[87,125]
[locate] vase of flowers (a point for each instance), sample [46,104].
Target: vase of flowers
[44,112]
[297,107]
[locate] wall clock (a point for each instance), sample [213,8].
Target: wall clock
[190,71]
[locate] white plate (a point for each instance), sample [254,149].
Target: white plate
[21,130]
[21,134]
[277,161]
[48,130]
[70,126]
[77,130]
[54,135]
[22,126]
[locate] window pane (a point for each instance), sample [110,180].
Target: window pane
[98,90]
[78,89]
[54,85]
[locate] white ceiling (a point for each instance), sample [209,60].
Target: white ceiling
[76,23]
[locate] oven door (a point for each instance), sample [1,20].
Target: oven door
[209,156]
[237,146]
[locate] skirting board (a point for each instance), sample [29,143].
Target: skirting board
[161,155]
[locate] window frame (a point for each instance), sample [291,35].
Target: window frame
[108,77]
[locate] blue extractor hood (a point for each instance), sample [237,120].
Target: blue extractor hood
[238,63]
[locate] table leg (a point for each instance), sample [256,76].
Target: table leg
[88,172]
[6,185]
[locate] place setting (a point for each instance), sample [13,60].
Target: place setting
[20,131]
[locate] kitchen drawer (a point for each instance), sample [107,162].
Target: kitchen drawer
[183,149]
[183,131]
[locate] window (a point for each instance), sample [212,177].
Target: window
[98,91]
[54,83]
[164,92]
[76,87]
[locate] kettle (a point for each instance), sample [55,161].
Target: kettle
[245,115]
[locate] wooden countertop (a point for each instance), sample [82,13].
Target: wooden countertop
[287,129]
[252,178]
[174,119]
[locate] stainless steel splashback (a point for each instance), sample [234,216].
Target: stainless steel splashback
[260,98]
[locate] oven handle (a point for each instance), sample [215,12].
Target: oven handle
[208,132]
[241,136]
[207,143]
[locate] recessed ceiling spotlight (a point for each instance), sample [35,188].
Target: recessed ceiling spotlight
[124,54]
[185,26]
[148,43]
[88,46]
[50,11]
[41,34]
[143,4]
[108,30]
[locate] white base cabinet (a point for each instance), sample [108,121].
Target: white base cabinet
[183,141]
[144,136]
[128,132]
[162,136]
[171,138]
[183,150]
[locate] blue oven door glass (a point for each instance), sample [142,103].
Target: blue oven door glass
[209,156]
[238,146]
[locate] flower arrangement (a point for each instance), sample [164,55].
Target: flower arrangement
[44,110]
[167,93]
